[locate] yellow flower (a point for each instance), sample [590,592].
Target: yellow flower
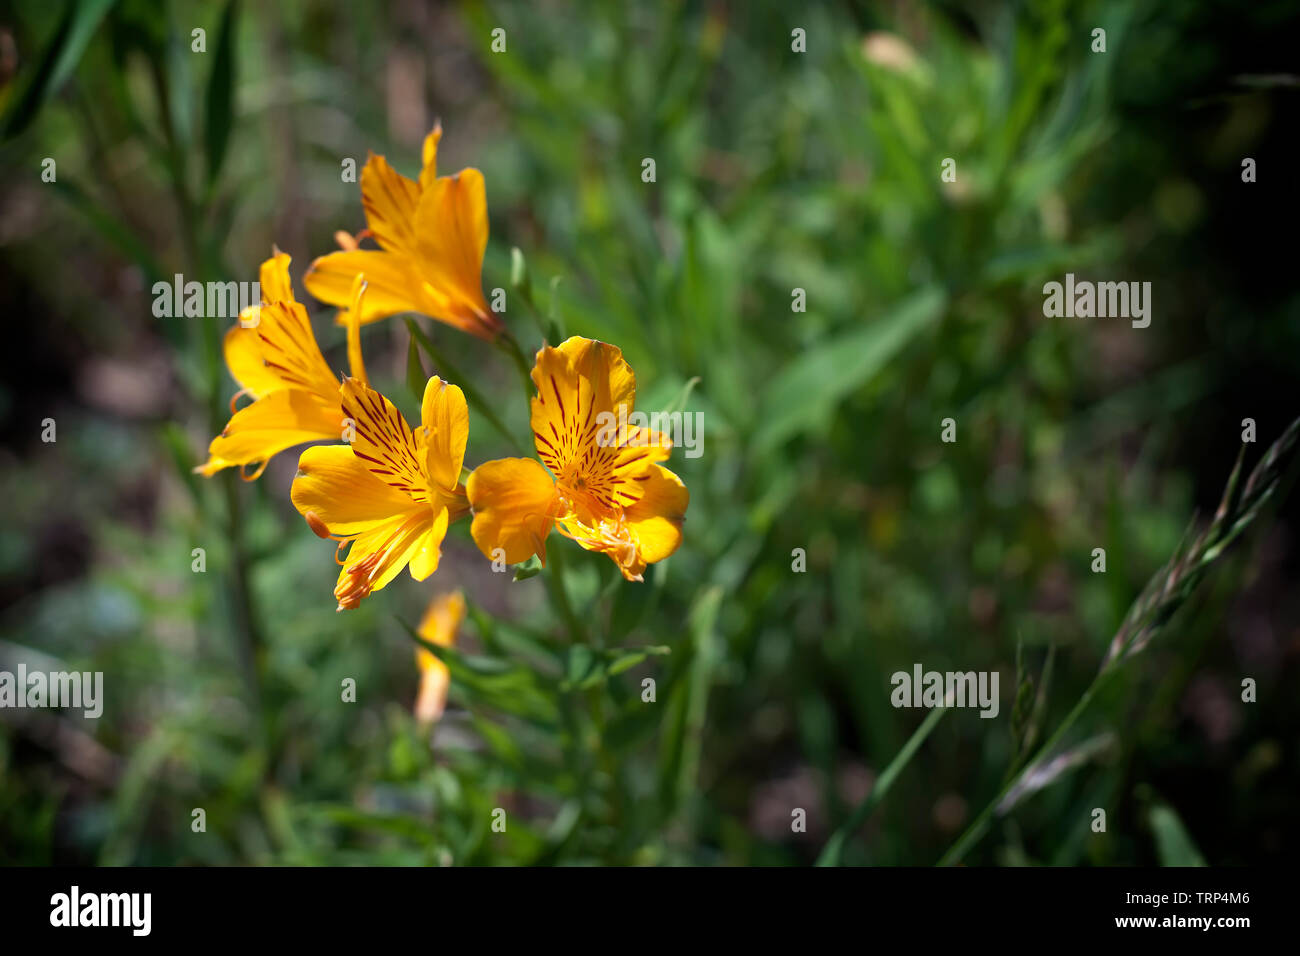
[431,235]
[273,355]
[605,489]
[392,492]
[439,626]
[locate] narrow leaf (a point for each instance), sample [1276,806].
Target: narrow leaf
[60,57]
[220,105]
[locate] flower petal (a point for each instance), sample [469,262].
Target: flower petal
[243,350]
[429,156]
[276,421]
[390,201]
[444,432]
[352,319]
[602,365]
[424,561]
[585,393]
[337,488]
[383,442]
[273,277]
[439,626]
[513,501]
[656,520]
[289,349]
[377,556]
[390,286]
[452,230]
[576,384]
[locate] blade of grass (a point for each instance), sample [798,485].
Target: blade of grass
[830,855]
[1165,593]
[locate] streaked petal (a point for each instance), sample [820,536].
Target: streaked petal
[576,384]
[513,501]
[612,380]
[289,349]
[377,556]
[273,277]
[390,201]
[243,351]
[383,442]
[340,491]
[585,393]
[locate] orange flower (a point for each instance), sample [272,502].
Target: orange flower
[273,355]
[392,492]
[605,488]
[441,621]
[431,235]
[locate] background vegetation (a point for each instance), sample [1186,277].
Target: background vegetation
[775,170]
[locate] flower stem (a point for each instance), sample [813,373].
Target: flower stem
[508,344]
[560,596]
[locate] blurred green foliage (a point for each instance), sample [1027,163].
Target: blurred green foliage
[775,171]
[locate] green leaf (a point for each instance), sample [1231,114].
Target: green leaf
[496,683]
[678,404]
[177,89]
[683,735]
[108,226]
[530,568]
[580,662]
[177,443]
[1174,845]
[61,56]
[804,394]
[220,106]
[586,667]
[403,826]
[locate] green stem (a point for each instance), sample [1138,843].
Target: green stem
[472,395]
[508,344]
[560,596]
[246,632]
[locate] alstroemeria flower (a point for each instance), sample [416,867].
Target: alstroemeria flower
[392,491]
[605,488]
[273,355]
[439,626]
[431,235]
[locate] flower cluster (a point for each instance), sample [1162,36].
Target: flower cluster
[386,492]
